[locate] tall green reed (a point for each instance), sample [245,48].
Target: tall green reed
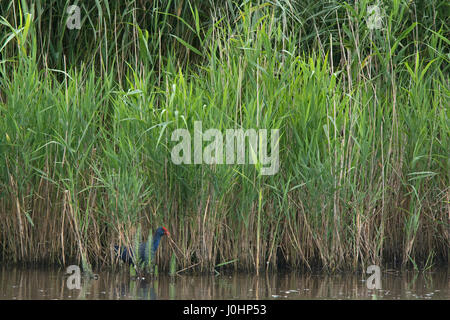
[362,117]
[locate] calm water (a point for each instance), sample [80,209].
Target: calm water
[22,283]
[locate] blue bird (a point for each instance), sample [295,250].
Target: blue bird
[127,255]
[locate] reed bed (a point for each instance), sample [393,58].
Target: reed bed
[86,118]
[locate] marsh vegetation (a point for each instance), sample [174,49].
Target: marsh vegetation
[86,117]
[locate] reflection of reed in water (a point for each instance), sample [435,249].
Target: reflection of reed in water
[22,283]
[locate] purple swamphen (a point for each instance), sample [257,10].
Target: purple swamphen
[126,254]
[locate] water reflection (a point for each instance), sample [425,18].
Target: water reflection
[20,283]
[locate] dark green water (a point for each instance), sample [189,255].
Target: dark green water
[25,283]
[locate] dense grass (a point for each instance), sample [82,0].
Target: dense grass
[86,118]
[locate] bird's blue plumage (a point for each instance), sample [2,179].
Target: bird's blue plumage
[126,254]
